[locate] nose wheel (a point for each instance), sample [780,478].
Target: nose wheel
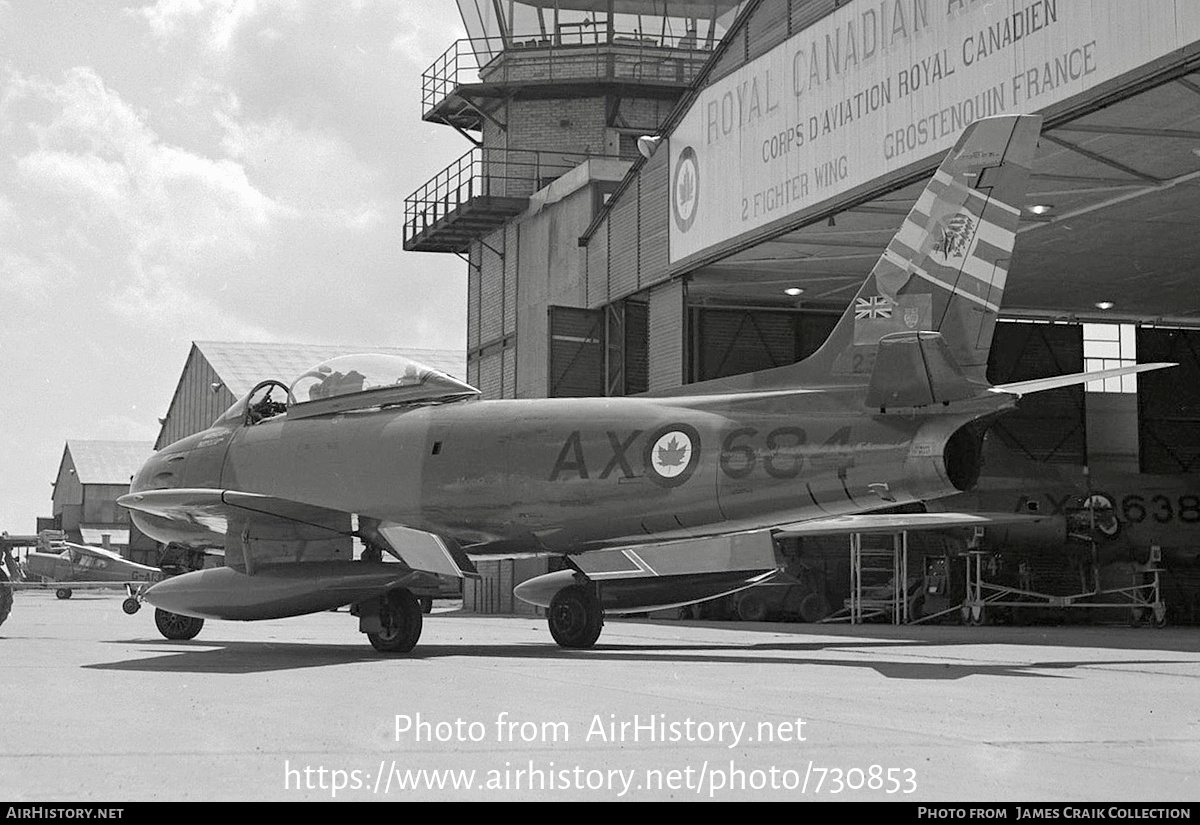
[575,617]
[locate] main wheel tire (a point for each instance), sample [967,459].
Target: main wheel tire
[175,627]
[62,593]
[6,597]
[131,606]
[752,608]
[575,617]
[400,615]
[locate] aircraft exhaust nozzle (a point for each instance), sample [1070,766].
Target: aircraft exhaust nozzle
[946,458]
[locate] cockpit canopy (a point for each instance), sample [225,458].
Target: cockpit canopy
[349,382]
[355,382]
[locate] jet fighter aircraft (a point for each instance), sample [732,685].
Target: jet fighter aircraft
[651,501]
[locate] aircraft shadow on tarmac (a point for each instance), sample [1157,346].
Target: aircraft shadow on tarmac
[266,657]
[1076,637]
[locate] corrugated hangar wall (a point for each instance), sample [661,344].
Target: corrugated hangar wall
[667,314]
[196,404]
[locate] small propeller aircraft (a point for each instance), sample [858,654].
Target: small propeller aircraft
[80,567]
[652,501]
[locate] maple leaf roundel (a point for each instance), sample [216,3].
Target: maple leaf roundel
[671,454]
[685,189]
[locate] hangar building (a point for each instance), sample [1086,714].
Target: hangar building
[92,475]
[782,144]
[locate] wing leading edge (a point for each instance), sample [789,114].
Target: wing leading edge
[255,528]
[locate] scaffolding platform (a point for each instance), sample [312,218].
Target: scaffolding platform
[1143,598]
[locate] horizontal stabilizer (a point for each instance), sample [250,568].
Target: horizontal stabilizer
[898,522]
[1053,383]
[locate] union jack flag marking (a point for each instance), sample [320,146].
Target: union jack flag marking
[876,307]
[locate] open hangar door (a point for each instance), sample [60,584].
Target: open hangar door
[730,340]
[1169,438]
[1107,242]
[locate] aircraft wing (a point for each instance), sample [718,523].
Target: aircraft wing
[895,522]
[98,552]
[243,523]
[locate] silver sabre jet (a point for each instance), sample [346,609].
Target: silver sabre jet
[650,501]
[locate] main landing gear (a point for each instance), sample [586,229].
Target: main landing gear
[175,627]
[392,622]
[575,617]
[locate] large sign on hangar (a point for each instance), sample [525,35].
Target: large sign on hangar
[881,84]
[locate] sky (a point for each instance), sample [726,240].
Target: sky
[203,170]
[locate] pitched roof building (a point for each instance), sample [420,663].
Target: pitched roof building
[91,476]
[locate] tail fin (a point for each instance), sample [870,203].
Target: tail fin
[945,269]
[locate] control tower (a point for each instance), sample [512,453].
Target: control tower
[553,94]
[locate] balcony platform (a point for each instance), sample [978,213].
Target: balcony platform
[479,193]
[453,229]
[457,90]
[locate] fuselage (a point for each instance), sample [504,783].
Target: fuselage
[563,474]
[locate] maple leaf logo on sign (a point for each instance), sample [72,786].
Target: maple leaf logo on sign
[672,454]
[685,189]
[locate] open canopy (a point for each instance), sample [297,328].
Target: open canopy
[355,382]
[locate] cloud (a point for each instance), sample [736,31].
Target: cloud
[218,20]
[239,176]
[116,208]
[345,67]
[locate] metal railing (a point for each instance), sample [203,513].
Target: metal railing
[573,53]
[484,172]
